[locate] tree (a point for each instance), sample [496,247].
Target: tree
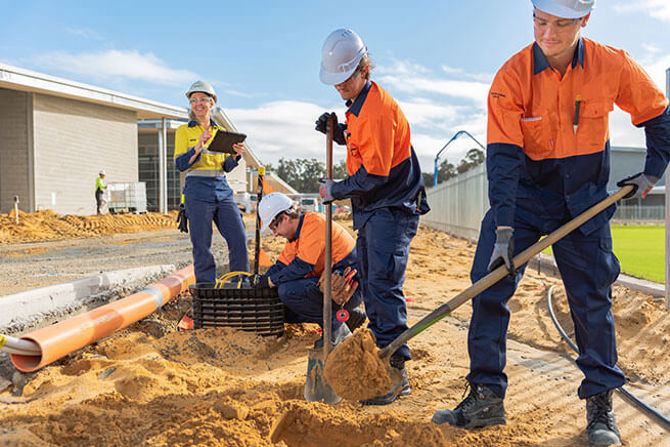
[302,174]
[473,158]
[340,170]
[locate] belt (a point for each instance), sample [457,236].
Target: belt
[206,173]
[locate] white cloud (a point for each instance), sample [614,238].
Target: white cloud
[285,129]
[112,64]
[658,9]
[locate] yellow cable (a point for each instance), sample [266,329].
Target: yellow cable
[3,340]
[225,277]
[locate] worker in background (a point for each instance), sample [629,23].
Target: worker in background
[100,191]
[384,184]
[297,272]
[207,196]
[548,160]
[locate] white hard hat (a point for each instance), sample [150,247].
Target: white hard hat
[202,87]
[340,55]
[102,172]
[567,9]
[271,205]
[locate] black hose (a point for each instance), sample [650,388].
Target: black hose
[658,417]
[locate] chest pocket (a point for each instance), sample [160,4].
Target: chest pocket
[593,130]
[537,129]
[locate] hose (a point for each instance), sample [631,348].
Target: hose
[14,345]
[640,405]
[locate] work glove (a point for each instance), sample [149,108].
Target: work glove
[342,285]
[259,281]
[182,220]
[503,250]
[338,129]
[642,184]
[326,190]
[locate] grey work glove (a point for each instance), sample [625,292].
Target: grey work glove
[503,250]
[338,129]
[642,185]
[326,190]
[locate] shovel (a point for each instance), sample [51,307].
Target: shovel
[259,196]
[500,273]
[317,388]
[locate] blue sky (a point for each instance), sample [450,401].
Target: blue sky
[436,58]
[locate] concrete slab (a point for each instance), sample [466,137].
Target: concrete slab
[27,309]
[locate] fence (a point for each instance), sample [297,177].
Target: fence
[637,212]
[459,204]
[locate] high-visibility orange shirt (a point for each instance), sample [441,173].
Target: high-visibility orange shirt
[532,143]
[304,255]
[382,167]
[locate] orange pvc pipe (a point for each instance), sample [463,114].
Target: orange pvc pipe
[65,337]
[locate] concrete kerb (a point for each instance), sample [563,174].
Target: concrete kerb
[37,308]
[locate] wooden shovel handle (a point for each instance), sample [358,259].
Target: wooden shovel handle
[501,272]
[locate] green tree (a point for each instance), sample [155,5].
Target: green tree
[340,170]
[473,158]
[302,174]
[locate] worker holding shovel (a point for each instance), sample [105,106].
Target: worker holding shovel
[548,161]
[298,271]
[384,184]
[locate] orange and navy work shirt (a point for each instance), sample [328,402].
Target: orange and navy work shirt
[382,167]
[205,177]
[304,255]
[538,146]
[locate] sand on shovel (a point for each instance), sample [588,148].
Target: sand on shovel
[356,372]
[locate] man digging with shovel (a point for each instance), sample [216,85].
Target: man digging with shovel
[547,161]
[297,272]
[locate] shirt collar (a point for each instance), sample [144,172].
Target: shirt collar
[355,106]
[540,62]
[194,123]
[297,230]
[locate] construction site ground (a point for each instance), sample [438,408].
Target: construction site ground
[152,385]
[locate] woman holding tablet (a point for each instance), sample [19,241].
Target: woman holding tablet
[207,196]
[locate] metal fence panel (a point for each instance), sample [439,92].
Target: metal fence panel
[459,204]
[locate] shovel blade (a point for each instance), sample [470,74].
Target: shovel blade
[317,388]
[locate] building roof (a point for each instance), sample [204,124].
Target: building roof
[14,78]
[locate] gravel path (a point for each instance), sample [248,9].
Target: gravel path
[31,265]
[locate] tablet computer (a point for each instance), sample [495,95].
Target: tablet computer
[223,141]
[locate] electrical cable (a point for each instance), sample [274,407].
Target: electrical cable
[640,405]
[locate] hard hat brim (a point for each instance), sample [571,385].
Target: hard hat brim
[330,78]
[550,7]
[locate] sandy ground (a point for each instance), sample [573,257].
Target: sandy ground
[152,385]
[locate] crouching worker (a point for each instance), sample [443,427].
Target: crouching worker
[297,272]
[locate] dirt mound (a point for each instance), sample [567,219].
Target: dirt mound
[47,225]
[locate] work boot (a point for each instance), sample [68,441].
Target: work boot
[401,389]
[601,425]
[356,319]
[337,336]
[481,408]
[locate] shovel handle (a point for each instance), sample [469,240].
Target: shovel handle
[328,255]
[501,272]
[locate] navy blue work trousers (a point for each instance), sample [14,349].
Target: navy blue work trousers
[304,302]
[588,268]
[226,216]
[383,250]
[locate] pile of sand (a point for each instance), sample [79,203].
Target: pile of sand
[47,225]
